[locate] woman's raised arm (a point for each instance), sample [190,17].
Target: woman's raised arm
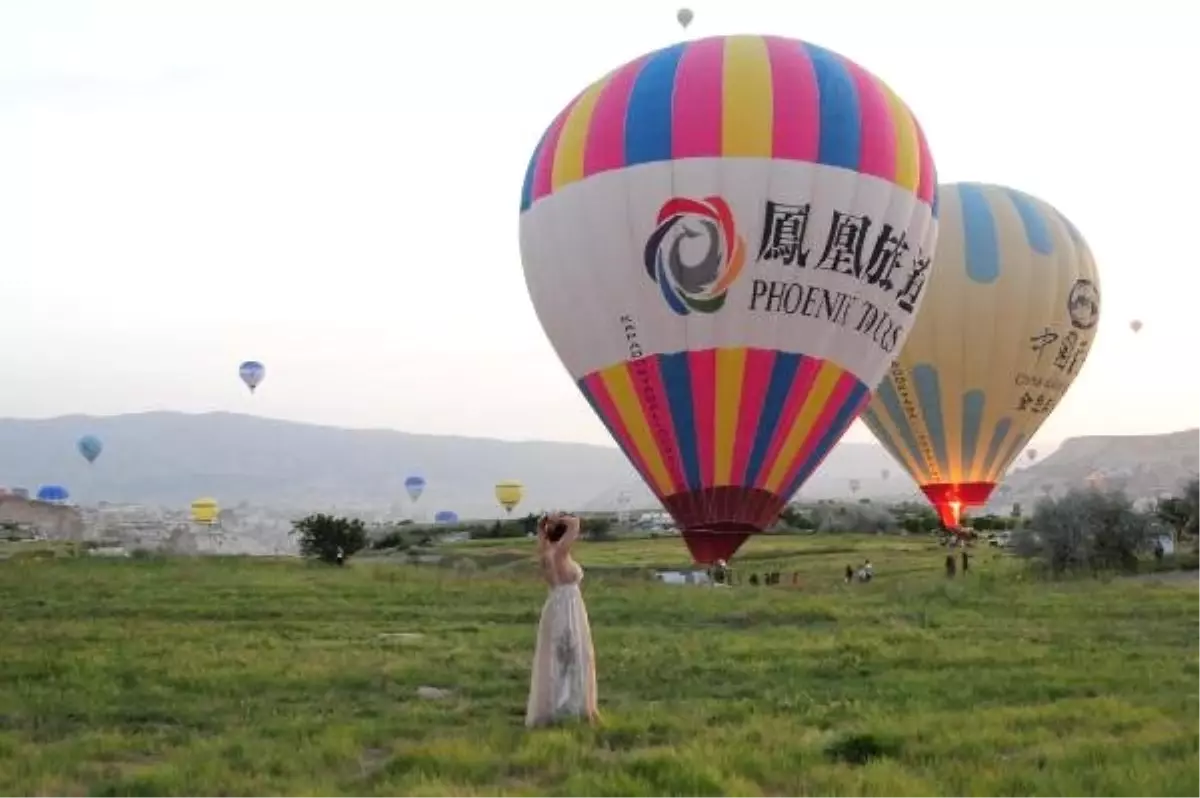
[572,533]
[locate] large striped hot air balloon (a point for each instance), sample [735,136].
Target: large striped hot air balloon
[726,242]
[1007,326]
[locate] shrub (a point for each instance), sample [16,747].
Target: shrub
[795,518]
[1088,529]
[322,535]
[597,528]
[1182,512]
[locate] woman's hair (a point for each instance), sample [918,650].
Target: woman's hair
[555,532]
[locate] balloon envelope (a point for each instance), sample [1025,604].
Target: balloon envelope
[684,17]
[726,242]
[90,447]
[445,517]
[205,511]
[414,485]
[1008,323]
[509,494]
[252,373]
[53,494]
[1135,325]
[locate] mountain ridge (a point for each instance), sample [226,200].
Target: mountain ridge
[168,458]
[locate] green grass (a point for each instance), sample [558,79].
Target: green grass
[238,676]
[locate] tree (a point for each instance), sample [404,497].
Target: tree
[597,528]
[795,518]
[322,535]
[1175,513]
[1085,529]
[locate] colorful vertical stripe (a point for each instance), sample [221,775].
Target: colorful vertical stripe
[734,96]
[691,421]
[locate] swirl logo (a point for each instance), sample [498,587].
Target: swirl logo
[698,286]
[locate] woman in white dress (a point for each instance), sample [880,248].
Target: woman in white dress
[563,683]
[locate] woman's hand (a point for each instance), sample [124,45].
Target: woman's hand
[572,534]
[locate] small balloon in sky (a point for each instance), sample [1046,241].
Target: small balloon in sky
[684,16]
[205,511]
[252,373]
[1135,325]
[90,447]
[414,486]
[509,493]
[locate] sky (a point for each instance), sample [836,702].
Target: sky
[332,188]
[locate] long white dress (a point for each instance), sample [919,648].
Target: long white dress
[563,682]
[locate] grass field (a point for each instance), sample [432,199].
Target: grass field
[238,676]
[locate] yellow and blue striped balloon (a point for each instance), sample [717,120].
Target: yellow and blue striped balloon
[1009,320]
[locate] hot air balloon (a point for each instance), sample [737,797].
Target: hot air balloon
[509,494]
[726,242]
[414,485]
[90,447]
[1031,454]
[885,473]
[684,17]
[445,517]
[205,511]
[252,373]
[1135,325]
[855,485]
[53,494]
[1007,326]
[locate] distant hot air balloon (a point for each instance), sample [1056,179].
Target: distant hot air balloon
[53,494]
[90,447]
[1007,326]
[855,485]
[684,17]
[414,485]
[509,494]
[885,473]
[726,242]
[445,517]
[1135,325]
[205,512]
[252,373]
[1031,454]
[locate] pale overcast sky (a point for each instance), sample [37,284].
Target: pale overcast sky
[332,188]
